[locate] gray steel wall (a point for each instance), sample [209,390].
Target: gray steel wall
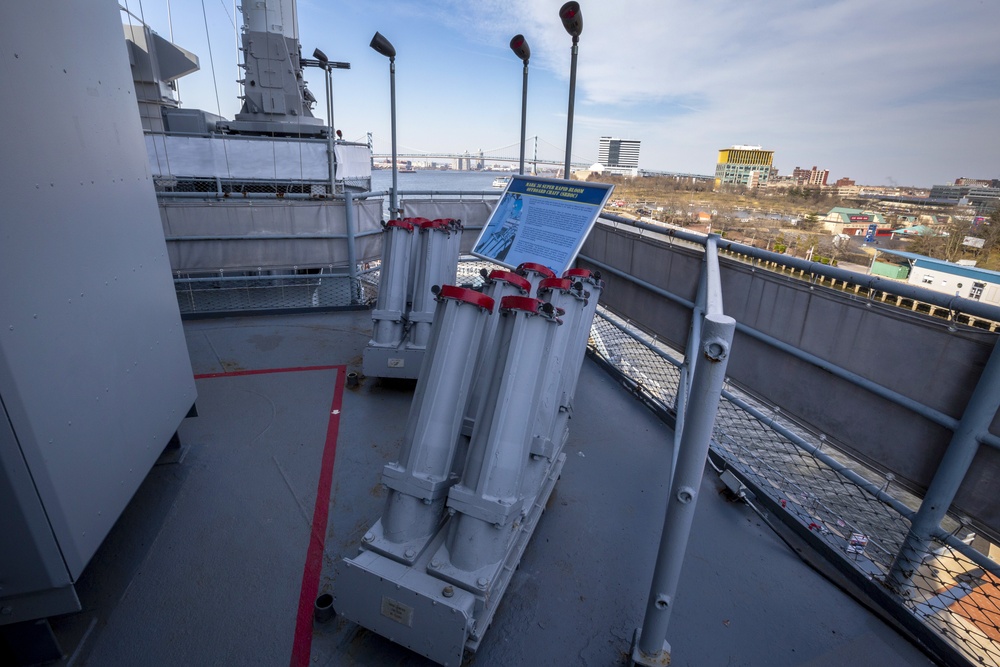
[472,212]
[912,354]
[94,370]
[257,224]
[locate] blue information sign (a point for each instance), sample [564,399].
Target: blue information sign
[541,220]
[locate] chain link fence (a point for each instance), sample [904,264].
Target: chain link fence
[315,290]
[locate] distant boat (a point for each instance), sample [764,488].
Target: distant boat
[501,181]
[406,171]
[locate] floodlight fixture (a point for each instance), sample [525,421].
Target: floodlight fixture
[320,56]
[572,19]
[519,45]
[383,46]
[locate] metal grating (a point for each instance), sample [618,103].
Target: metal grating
[951,594]
[231,188]
[226,294]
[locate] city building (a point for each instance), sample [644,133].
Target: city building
[936,274]
[851,221]
[619,156]
[983,198]
[845,181]
[744,165]
[812,176]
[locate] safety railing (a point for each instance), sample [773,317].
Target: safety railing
[925,568]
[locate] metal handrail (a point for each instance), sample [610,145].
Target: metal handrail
[872,283]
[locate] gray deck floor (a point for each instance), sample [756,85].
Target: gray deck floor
[206,565]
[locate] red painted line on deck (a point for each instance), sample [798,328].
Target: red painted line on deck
[302,645]
[229,374]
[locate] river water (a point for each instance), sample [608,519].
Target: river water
[431,179]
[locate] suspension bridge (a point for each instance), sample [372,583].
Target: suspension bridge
[537,152]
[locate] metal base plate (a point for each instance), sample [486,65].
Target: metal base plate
[391,362]
[640,659]
[405,605]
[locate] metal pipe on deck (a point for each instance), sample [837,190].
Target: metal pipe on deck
[488,501]
[954,466]
[390,308]
[568,298]
[419,479]
[436,260]
[649,646]
[499,284]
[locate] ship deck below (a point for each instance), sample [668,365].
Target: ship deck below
[218,558]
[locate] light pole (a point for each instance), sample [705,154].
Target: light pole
[383,46]
[320,60]
[572,20]
[520,48]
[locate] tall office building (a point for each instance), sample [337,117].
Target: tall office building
[743,165]
[619,156]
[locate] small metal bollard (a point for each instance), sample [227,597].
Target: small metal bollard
[352,379]
[323,608]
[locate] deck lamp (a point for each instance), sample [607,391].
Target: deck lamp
[324,63]
[383,46]
[519,46]
[572,20]
[320,60]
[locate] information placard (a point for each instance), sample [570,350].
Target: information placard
[541,220]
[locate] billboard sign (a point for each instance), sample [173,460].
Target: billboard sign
[861,218]
[870,235]
[541,220]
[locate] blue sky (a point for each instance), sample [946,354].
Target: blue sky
[899,91]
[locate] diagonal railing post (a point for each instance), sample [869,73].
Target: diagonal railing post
[352,254]
[690,359]
[962,449]
[649,645]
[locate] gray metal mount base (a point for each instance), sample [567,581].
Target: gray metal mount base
[502,572]
[405,605]
[429,607]
[392,362]
[640,659]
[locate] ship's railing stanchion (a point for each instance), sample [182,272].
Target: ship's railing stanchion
[948,477]
[649,645]
[352,252]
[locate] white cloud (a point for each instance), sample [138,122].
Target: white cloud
[818,81]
